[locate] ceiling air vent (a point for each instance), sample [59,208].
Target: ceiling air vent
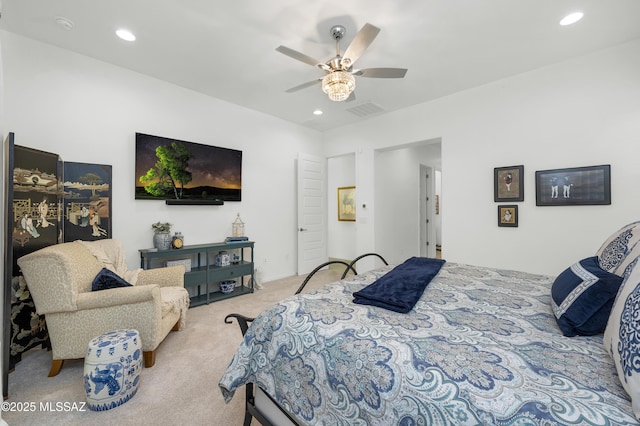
[364,110]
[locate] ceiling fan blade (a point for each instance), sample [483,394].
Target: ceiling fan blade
[360,42]
[303,86]
[301,57]
[381,72]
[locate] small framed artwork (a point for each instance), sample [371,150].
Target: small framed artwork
[508,184]
[574,186]
[347,203]
[508,215]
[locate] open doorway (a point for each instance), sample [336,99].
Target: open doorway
[401,208]
[342,241]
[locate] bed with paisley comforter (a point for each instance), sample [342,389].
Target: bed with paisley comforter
[481,346]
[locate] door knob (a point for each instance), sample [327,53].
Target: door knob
[302,229]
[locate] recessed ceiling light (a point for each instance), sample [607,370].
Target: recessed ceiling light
[126,35]
[571,18]
[65,23]
[317,112]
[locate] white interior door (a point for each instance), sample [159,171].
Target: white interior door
[427,212]
[312,212]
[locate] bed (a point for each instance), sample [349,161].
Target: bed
[480,346]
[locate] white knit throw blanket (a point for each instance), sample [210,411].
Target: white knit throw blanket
[175,298]
[111,256]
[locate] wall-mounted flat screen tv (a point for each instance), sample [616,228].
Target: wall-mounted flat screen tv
[186,172]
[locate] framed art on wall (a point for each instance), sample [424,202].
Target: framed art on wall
[508,183]
[574,186]
[347,203]
[87,201]
[508,215]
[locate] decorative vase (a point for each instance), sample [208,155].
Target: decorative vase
[162,240]
[222,259]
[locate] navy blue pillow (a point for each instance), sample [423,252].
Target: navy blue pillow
[107,279]
[582,297]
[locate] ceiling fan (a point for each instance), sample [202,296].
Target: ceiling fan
[339,82]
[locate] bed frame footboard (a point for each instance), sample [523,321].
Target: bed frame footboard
[251,409]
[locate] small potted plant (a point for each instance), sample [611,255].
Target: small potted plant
[161,235]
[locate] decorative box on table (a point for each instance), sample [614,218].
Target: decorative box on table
[185,262]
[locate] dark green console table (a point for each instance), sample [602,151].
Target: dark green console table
[202,281]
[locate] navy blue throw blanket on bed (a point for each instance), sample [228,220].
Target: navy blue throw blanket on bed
[399,289]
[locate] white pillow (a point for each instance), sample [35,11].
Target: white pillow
[622,334]
[620,249]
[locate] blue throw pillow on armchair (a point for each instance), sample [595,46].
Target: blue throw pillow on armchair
[582,297]
[107,279]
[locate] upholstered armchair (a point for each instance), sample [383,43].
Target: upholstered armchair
[60,279]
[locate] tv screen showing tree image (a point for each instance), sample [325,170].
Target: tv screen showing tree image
[171,169]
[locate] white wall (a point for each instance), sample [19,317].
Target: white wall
[584,111]
[341,235]
[580,112]
[89,111]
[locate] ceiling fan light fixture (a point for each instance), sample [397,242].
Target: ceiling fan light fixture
[338,85]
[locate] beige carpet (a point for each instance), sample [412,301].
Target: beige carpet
[182,387]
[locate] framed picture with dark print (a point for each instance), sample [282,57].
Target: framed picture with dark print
[87,201]
[574,186]
[508,215]
[508,184]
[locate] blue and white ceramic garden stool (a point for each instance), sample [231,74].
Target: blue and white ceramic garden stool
[112,369]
